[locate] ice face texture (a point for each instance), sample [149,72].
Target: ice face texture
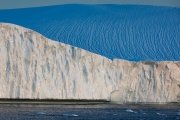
[34,67]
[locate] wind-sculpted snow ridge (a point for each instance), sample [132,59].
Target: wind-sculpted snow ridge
[131,32]
[35,67]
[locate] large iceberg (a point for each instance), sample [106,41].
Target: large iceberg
[35,67]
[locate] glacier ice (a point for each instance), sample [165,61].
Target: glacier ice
[131,111]
[160,113]
[35,67]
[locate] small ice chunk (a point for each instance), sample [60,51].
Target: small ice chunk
[129,110]
[160,113]
[69,115]
[41,113]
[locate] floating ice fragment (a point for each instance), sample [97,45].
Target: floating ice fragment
[69,115]
[115,114]
[160,113]
[41,113]
[129,110]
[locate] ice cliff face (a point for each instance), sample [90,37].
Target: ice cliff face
[34,67]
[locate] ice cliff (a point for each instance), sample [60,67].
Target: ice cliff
[35,67]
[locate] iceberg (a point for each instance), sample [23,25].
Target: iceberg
[35,67]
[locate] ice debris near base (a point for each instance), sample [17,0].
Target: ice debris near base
[34,67]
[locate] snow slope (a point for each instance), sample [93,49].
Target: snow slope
[131,32]
[34,67]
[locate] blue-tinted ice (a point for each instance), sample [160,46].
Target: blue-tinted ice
[131,111]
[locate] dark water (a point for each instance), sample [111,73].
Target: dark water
[131,32]
[96,111]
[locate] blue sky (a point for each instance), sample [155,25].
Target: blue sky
[9,4]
